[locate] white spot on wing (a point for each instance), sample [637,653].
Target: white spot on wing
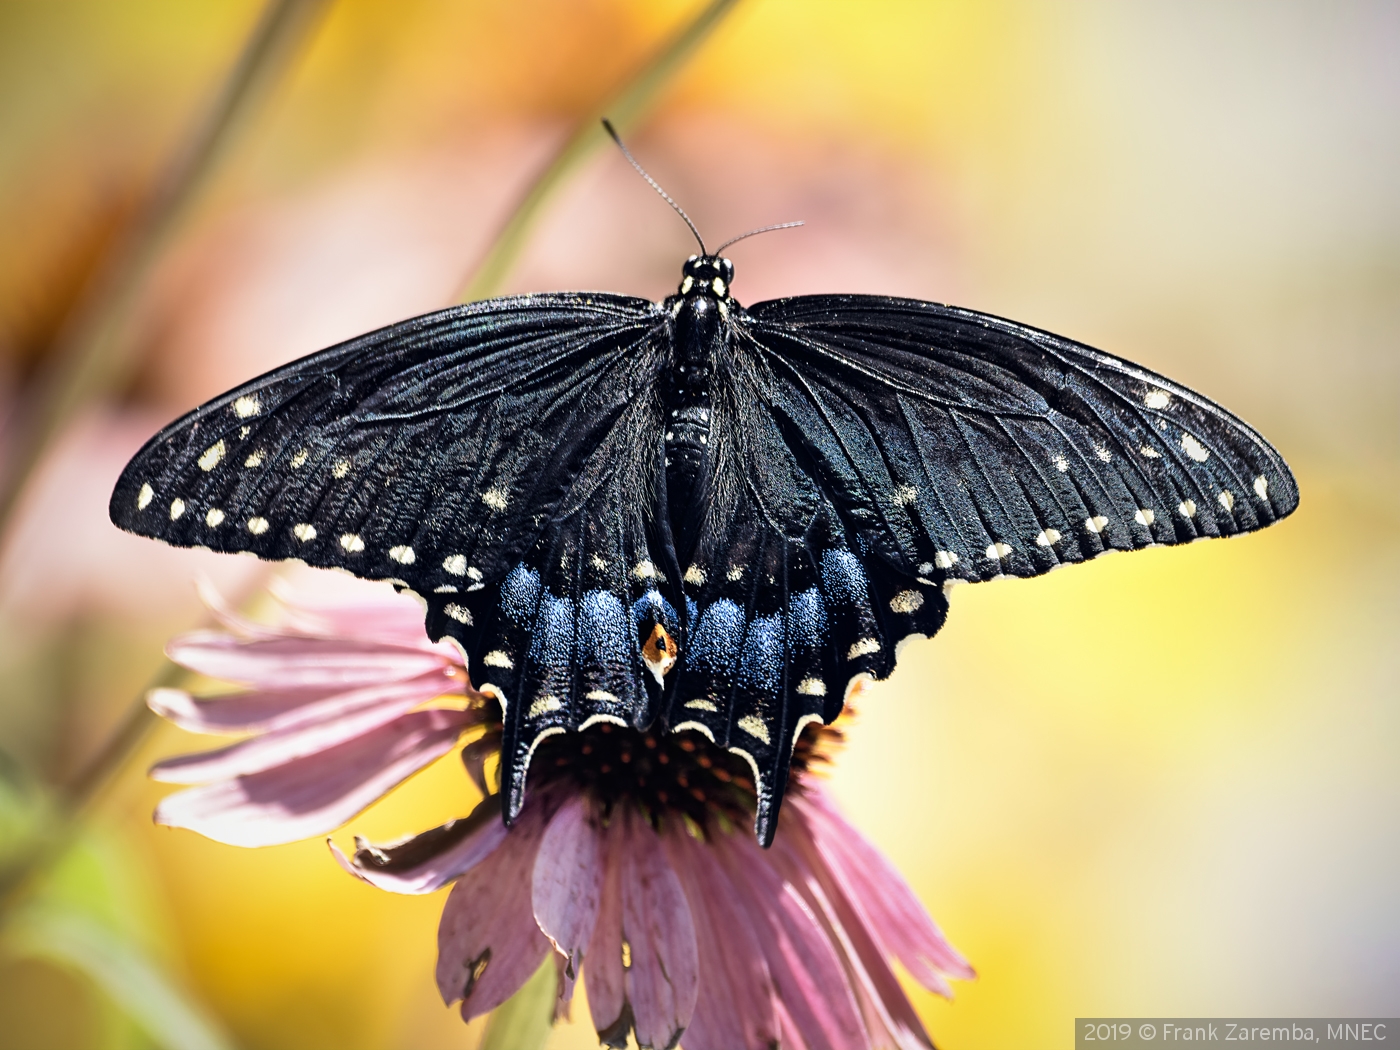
[1096,524]
[1227,499]
[1194,448]
[644,570]
[1103,453]
[446,588]
[212,455]
[257,526]
[544,705]
[341,468]
[255,459]
[1150,452]
[1187,507]
[1061,464]
[735,573]
[812,687]
[214,518]
[998,550]
[1144,516]
[247,406]
[351,542]
[905,494]
[177,507]
[1157,399]
[752,724]
[456,564]
[304,531]
[1261,486]
[695,576]
[1048,538]
[906,602]
[403,554]
[701,705]
[460,613]
[864,647]
[299,460]
[495,498]
[598,563]
[925,567]
[497,658]
[602,695]
[945,559]
[144,497]
[473,573]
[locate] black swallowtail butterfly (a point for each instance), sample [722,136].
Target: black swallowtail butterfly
[692,513]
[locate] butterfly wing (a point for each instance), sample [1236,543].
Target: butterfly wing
[966,447]
[893,446]
[499,459]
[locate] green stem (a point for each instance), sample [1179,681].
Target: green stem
[623,109]
[92,354]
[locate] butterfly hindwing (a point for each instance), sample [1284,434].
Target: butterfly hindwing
[970,447]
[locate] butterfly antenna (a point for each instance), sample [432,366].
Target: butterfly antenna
[654,184]
[755,233]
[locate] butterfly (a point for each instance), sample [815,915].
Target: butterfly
[692,514]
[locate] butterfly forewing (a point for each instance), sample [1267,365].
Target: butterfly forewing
[971,447]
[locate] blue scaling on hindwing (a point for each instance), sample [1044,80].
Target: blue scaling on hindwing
[807,618]
[519,592]
[552,635]
[715,639]
[761,664]
[652,608]
[843,578]
[604,638]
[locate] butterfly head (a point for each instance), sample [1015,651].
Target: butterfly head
[707,275]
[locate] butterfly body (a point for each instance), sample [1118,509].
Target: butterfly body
[690,515]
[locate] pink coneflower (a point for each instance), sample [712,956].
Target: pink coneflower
[632,862]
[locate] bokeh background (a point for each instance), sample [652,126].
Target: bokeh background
[1160,784]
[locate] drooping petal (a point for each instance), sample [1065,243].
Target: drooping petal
[889,1016]
[736,1008]
[807,972]
[488,942]
[663,978]
[429,861]
[282,746]
[300,663]
[567,883]
[316,794]
[877,891]
[604,973]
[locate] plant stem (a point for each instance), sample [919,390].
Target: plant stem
[92,354]
[623,109]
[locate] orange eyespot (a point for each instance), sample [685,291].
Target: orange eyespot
[659,651]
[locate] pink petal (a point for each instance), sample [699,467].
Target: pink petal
[316,794]
[889,1016]
[488,943]
[606,979]
[300,663]
[663,980]
[287,745]
[268,710]
[882,897]
[568,882]
[807,973]
[429,861]
[736,1008]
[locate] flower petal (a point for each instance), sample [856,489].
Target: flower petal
[568,882]
[235,713]
[605,977]
[316,794]
[736,1008]
[287,745]
[877,891]
[300,663]
[488,942]
[429,861]
[889,1016]
[807,973]
[664,977]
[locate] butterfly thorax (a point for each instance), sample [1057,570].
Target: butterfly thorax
[700,318]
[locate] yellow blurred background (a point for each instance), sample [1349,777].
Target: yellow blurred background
[1164,784]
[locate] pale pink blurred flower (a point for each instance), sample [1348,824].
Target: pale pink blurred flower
[632,862]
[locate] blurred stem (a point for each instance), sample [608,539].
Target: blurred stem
[86,788]
[624,108]
[523,1021]
[92,353]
